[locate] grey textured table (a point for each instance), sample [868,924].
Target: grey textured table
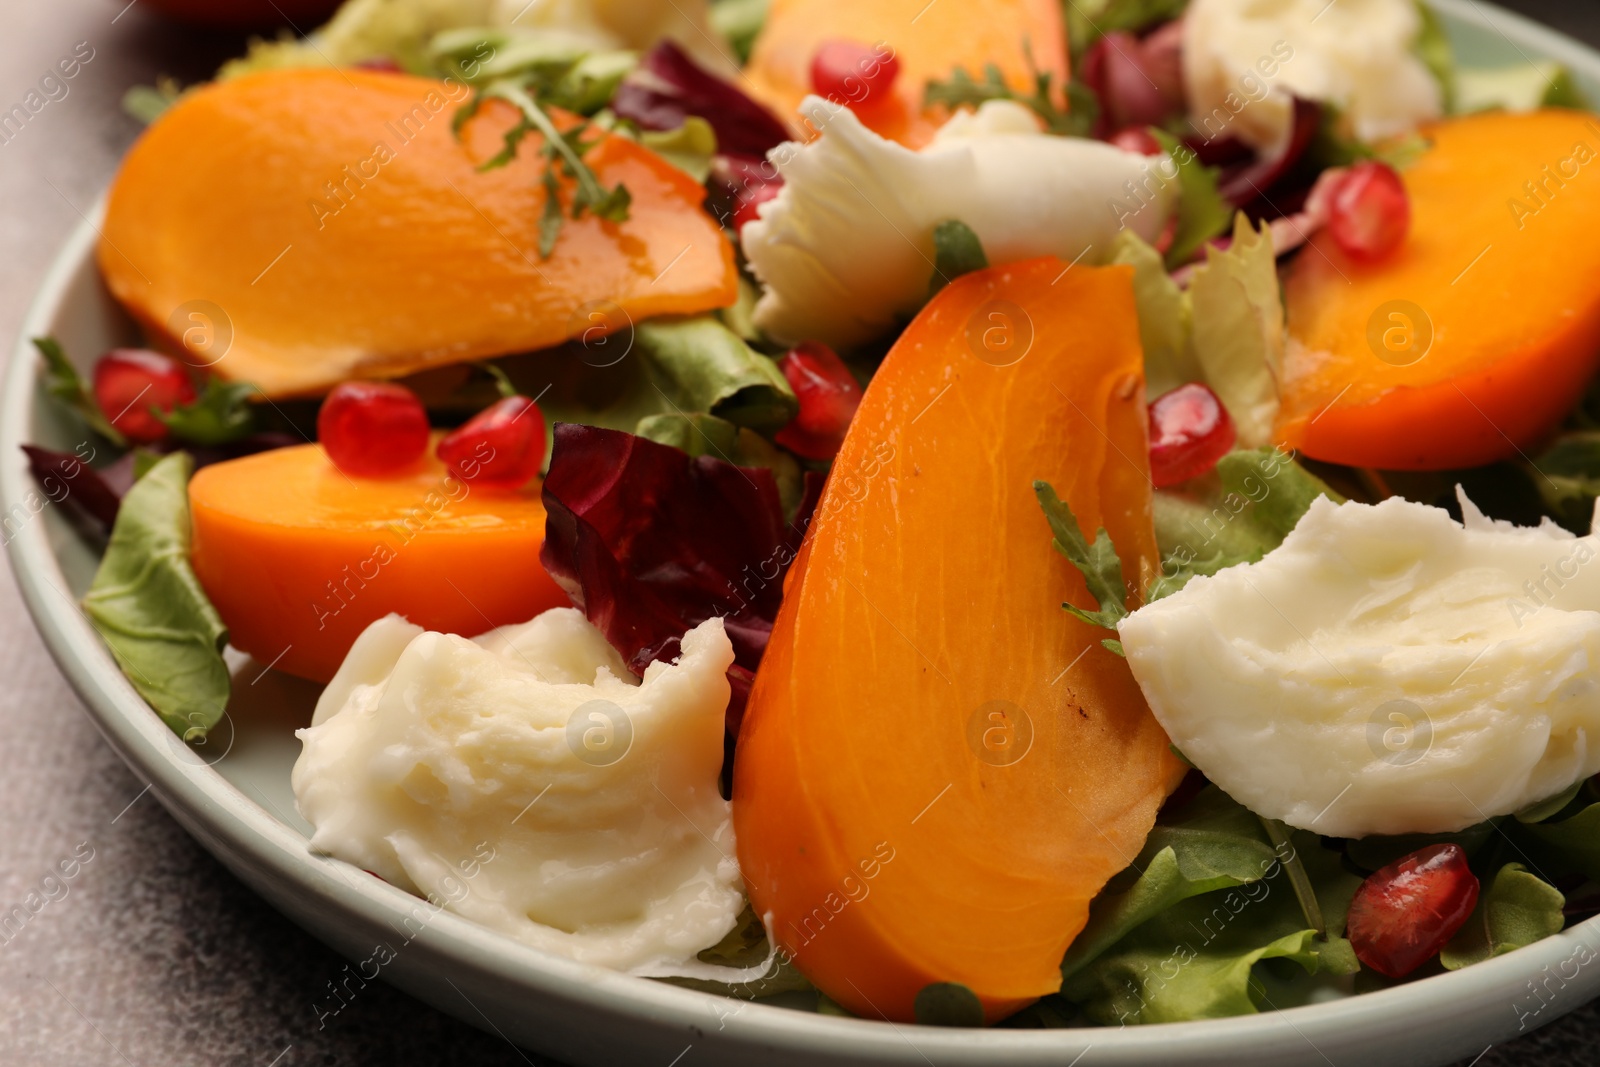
[155,955]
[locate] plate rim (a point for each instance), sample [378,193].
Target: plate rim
[257,846]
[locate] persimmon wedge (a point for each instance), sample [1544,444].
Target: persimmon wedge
[929,40]
[299,558]
[296,228]
[939,767]
[1476,337]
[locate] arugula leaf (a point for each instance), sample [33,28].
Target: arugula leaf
[947,1004]
[563,152]
[1567,476]
[1517,909]
[1380,850]
[1097,561]
[1433,48]
[707,435]
[1203,213]
[149,607]
[1195,959]
[1237,516]
[221,413]
[61,381]
[714,371]
[746,946]
[1552,806]
[962,89]
[1213,843]
[956,251]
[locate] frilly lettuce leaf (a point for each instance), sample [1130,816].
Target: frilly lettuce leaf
[1516,909]
[1238,329]
[1227,329]
[1521,87]
[1164,317]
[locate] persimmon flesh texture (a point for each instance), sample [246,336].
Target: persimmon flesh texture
[299,557]
[929,40]
[1474,339]
[939,767]
[297,228]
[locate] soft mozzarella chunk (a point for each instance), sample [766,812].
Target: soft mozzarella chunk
[1385,670]
[527,781]
[1245,60]
[845,250]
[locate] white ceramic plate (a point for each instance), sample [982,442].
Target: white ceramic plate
[233,795]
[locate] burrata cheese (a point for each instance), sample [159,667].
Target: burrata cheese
[529,782]
[1386,670]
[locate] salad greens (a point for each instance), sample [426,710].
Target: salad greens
[712,370]
[61,381]
[962,89]
[148,605]
[1210,898]
[1516,909]
[1096,560]
[220,414]
[1237,328]
[956,251]
[1203,213]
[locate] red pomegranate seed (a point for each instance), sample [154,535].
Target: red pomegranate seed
[372,429]
[1404,913]
[753,196]
[829,396]
[1189,431]
[131,384]
[501,447]
[1137,139]
[1369,211]
[848,72]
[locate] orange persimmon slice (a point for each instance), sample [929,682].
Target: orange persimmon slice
[299,558]
[296,228]
[939,767]
[1476,337]
[928,40]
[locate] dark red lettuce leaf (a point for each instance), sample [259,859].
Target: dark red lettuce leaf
[668,87]
[650,542]
[96,493]
[1244,185]
[64,478]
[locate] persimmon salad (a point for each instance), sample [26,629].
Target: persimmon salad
[994,514]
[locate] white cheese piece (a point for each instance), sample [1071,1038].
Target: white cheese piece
[527,781]
[1385,670]
[1245,60]
[845,250]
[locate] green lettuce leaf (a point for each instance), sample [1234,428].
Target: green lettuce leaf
[956,251]
[1238,332]
[689,147]
[707,435]
[1202,211]
[712,370]
[149,607]
[1214,843]
[1164,316]
[1517,909]
[62,382]
[1097,561]
[1571,846]
[367,29]
[745,946]
[146,103]
[1197,958]
[1236,515]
